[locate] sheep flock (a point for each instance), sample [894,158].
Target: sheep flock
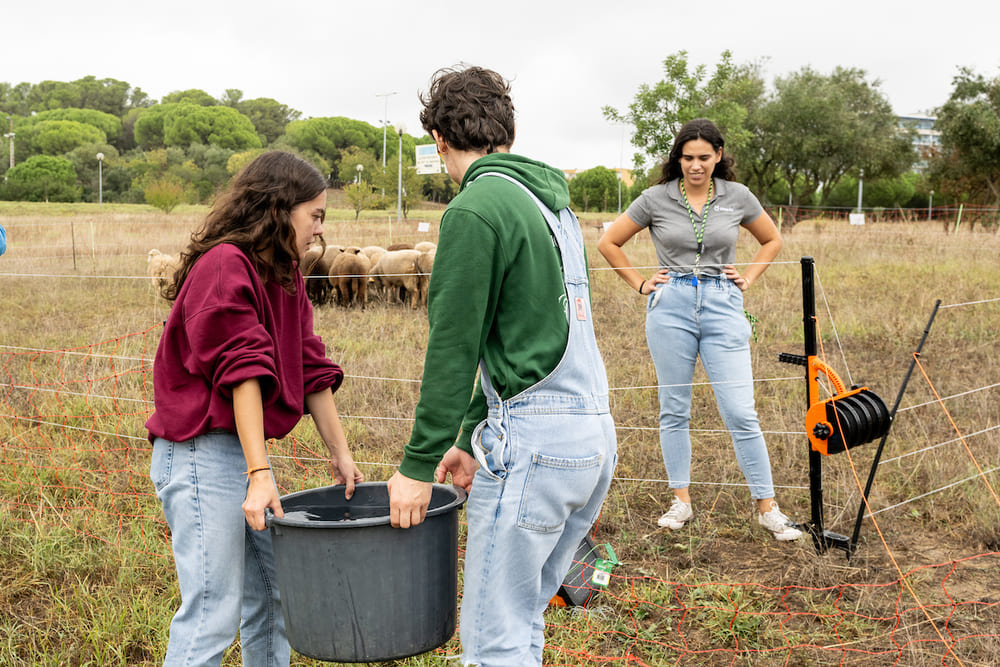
[348,276]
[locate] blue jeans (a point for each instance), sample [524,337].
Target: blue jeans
[531,505]
[685,321]
[225,569]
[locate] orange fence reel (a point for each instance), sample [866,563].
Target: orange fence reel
[847,419]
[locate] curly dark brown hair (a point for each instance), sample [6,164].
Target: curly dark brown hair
[254,214]
[470,107]
[699,128]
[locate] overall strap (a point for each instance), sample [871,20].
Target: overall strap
[578,383]
[550,217]
[565,230]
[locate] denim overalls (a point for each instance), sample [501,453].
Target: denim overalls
[546,459]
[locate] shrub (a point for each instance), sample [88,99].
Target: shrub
[165,193]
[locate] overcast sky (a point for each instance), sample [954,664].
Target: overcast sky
[566,59]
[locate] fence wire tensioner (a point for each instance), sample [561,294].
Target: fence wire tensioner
[847,419]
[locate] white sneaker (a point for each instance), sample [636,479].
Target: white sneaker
[779,524]
[679,514]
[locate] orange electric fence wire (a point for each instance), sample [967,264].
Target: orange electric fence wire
[878,529]
[958,431]
[69,454]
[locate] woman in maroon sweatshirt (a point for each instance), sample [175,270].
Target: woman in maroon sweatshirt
[238,363]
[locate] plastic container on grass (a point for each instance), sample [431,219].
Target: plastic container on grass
[355,589]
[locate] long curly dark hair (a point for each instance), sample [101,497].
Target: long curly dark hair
[254,214]
[699,128]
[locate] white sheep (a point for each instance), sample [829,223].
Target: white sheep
[374,253]
[425,263]
[396,273]
[315,267]
[349,277]
[160,267]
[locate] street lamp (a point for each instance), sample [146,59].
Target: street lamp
[400,128]
[861,181]
[11,137]
[360,168]
[100,179]
[385,125]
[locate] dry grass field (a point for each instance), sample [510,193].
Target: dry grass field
[74,276]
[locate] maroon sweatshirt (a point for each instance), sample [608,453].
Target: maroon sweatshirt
[227,326]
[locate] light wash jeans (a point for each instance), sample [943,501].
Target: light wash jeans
[225,569]
[685,321]
[542,489]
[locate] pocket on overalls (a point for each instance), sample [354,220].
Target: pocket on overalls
[554,487]
[489,446]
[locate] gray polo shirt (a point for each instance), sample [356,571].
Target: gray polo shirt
[661,208]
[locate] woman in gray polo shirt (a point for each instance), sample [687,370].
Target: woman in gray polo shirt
[695,307]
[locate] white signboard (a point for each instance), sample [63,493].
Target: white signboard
[424,227]
[428,161]
[857,218]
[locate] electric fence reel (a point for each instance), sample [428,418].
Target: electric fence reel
[847,419]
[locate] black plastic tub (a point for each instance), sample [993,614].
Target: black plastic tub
[355,589]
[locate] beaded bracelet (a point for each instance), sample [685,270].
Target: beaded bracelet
[257,469]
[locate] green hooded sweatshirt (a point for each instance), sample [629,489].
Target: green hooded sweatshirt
[496,294]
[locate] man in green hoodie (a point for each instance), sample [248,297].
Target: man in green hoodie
[536,445]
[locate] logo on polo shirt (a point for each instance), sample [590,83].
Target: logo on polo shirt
[724,209]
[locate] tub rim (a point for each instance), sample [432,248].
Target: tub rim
[270,520]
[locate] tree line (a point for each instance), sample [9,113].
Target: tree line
[185,147]
[811,137]
[807,139]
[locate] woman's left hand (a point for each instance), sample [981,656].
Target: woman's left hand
[261,495]
[732,274]
[346,471]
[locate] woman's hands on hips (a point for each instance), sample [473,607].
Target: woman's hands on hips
[661,277]
[732,274]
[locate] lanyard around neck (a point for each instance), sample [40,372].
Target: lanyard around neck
[699,233]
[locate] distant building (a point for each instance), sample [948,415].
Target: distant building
[623,175]
[927,139]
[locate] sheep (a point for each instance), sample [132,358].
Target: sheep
[374,253]
[161,268]
[398,269]
[425,262]
[425,246]
[308,265]
[400,246]
[309,258]
[316,271]
[349,276]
